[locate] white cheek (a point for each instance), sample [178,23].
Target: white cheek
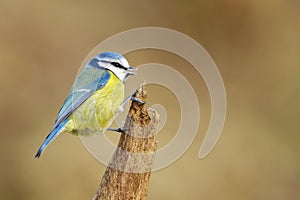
[104,64]
[120,73]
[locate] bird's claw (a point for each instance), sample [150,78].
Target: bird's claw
[119,130]
[135,99]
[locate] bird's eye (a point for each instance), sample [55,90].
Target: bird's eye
[116,64]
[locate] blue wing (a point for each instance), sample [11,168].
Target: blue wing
[91,79]
[79,94]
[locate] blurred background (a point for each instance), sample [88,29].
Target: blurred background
[255,45]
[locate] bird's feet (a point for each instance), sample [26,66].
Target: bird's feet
[119,130]
[132,97]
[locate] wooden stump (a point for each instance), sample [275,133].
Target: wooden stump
[128,173]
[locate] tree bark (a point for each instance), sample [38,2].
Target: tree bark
[128,173]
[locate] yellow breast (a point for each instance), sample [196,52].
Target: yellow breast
[98,112]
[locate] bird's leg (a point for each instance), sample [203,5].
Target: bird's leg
[119,130]
[132,98]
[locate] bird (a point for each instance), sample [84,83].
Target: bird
[95,98]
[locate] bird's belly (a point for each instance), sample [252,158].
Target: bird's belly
[98,112]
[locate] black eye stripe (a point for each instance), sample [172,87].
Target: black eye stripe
[116,64]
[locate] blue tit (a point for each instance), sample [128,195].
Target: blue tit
[94,99]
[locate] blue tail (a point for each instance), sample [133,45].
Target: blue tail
[52,135]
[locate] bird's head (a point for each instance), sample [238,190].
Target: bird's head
[116,63]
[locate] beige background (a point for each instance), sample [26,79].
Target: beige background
[255,45]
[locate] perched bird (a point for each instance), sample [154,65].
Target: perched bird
[95,98]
